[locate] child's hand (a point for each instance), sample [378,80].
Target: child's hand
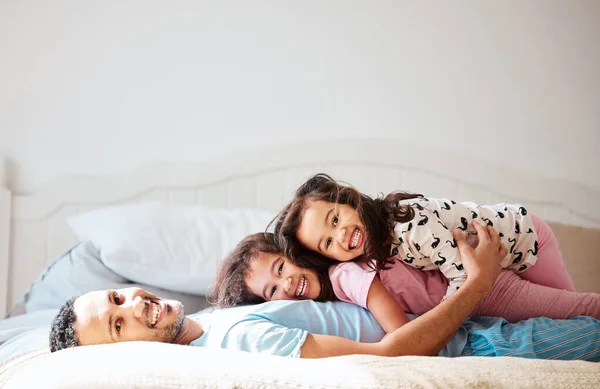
[481,263]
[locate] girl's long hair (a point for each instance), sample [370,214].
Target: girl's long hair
[378,215]
[231,289]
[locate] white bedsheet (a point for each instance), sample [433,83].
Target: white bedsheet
[156,365]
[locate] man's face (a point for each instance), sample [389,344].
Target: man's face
[123,315]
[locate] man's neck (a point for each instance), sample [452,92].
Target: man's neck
[191,330]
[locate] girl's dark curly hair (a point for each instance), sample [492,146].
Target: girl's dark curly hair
[379,216]
[231,289]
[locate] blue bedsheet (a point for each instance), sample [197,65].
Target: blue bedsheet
[22,334]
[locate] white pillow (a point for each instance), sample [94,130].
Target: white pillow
[171,247]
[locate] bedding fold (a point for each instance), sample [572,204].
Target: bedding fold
[151,365]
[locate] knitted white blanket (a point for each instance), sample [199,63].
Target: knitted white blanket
[157,365]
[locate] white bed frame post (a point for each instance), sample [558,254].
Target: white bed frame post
[5,215]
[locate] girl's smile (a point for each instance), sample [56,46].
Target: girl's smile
[334,230]
[274,277]
[356,239]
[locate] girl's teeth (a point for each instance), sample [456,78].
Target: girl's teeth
[301,287]
[355,238]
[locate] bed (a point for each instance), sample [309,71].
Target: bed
[34,232]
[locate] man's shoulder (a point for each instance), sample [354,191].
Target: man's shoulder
[263,328]
[281,312]
[274,311]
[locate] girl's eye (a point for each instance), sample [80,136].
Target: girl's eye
[273,291]
[328,243]
[335,221]
[117,298]
[118,324]
[280,270]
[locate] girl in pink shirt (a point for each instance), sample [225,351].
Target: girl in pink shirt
[379,235]
[257,271]
[385,246]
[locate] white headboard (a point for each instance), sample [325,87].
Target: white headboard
[33,229]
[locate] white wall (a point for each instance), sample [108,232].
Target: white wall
[102,87]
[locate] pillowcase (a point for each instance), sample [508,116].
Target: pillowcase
[80,270]
[171,247]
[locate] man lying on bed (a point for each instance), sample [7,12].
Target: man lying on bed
[310,329]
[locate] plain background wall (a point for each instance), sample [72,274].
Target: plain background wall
[102,87]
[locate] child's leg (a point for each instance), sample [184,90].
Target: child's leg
[550,269]
[514,299]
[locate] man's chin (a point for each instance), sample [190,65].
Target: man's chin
[178,319]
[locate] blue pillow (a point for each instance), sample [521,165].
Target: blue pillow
[80,270]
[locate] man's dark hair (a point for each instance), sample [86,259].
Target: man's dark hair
[62,330]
